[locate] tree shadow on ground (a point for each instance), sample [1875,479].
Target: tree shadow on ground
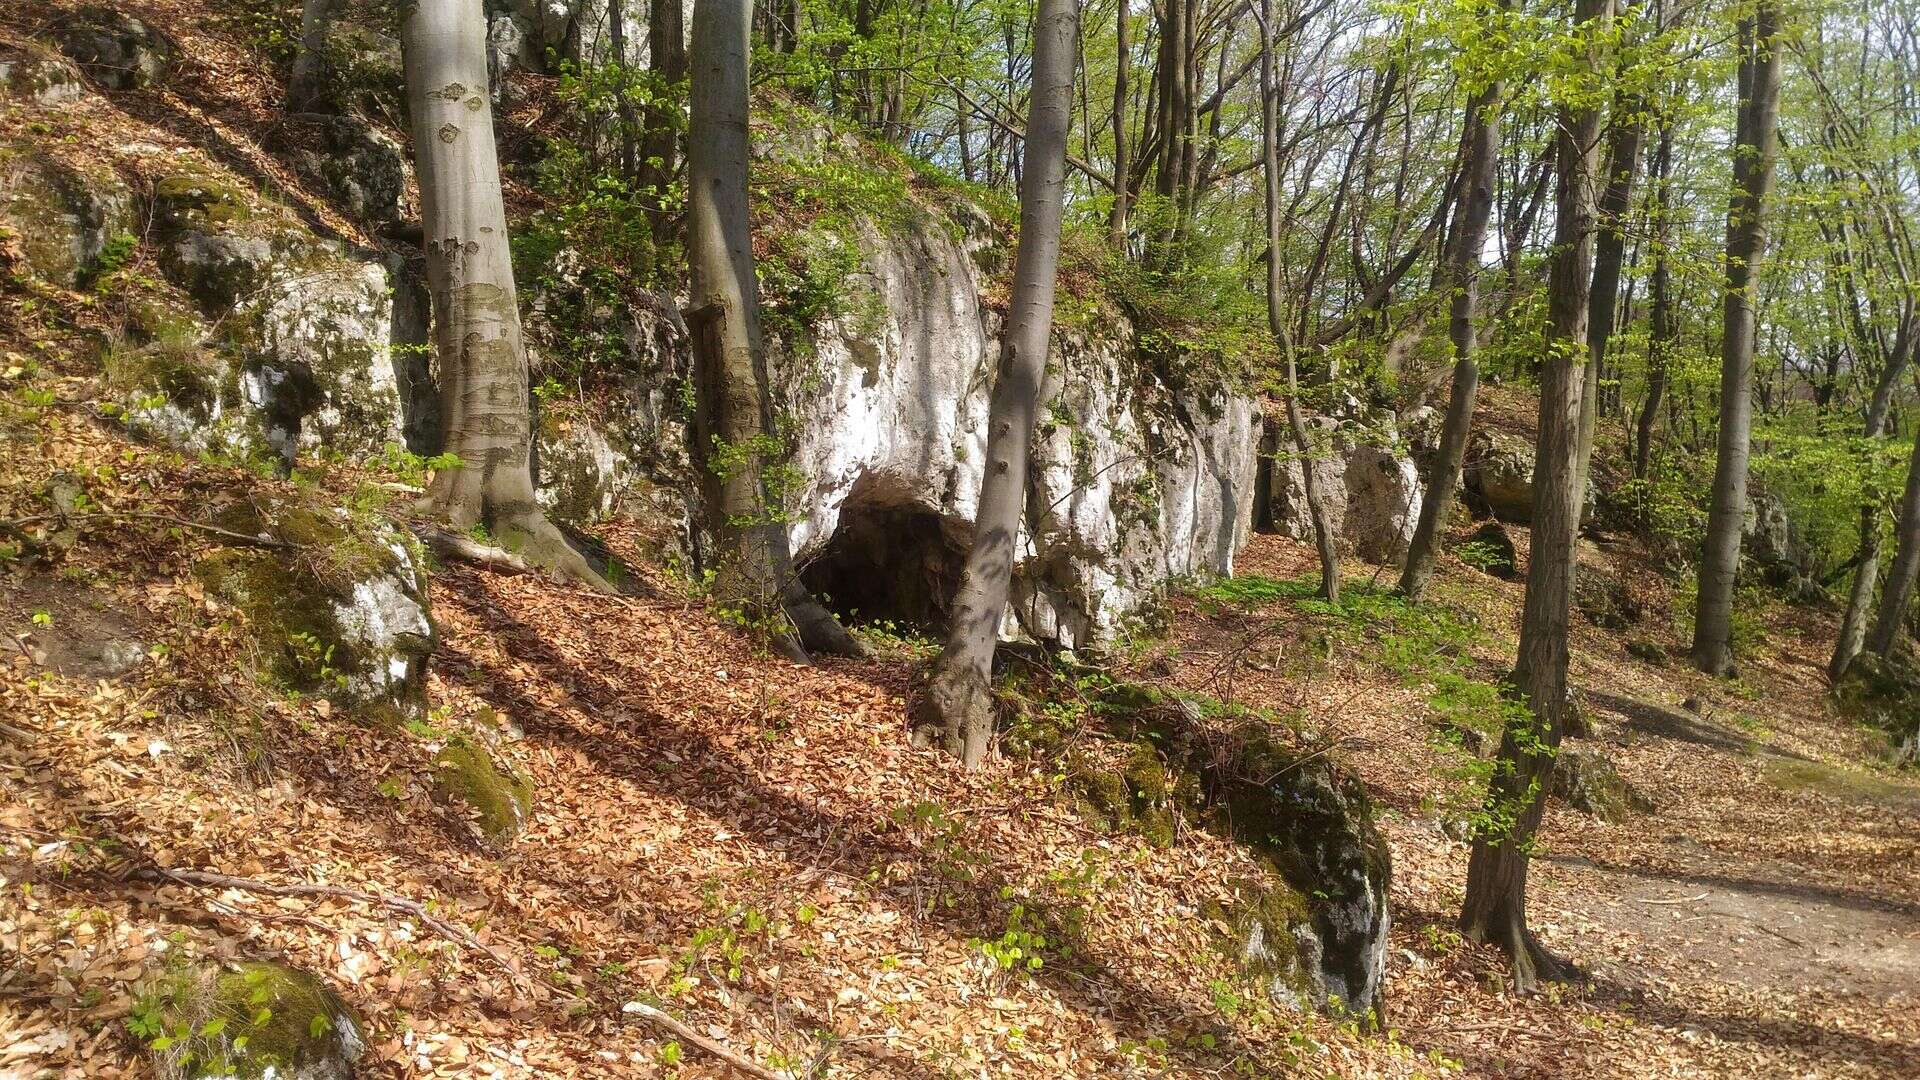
[1662,723]
[965,894]
[1887,1056]
[1799,891]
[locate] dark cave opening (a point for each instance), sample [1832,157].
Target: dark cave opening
[885,564]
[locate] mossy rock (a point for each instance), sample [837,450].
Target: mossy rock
[465,773]
[65,217]
[41,77]
[1884,691]
[1585,780]
[118,51]
[1604,599]
[178,366]
[1269,933]
[340,611]
[1313,822]
[1490,549]
[253,1021]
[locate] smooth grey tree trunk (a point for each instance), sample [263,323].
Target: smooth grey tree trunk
[733,429]
[306,85]
[1866,574]
[480,359]
[1324,540]
[959,706]
[1753,156]
[1906,563]
[1664,330]
[1465,241]
[1616,200]
[1122,160]
[1495,909]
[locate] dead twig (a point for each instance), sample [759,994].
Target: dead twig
[229,535]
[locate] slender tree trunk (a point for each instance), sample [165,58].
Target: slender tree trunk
[1467,237]
[667,57]
[1495,910]
[1866,574]
[1753,157]
[1616,200]
[1663,331]
[734,441]
[481,360]
[1906,563]
[1122,165]
[623,108]
[959,705]
[1323,536]
[306,85]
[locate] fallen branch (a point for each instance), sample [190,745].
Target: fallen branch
[1676,900]
[461,936]
[456,548]
[212,530]
[453,932]
[686,1034]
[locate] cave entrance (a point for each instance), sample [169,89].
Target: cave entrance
[888,563]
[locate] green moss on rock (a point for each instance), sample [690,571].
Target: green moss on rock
[336,611]
[465,773]
[250,1022]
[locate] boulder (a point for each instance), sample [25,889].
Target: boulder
[43,78]
[1585,780]
[1770,542]
[71,220]
[1600,596]
[251,1019]
[361,71]
[1885,691]
[115,49]
[305,354]
[1490,549]
[337,608]
[1313,821]
[1313,929]
[1498,474]
[1372,491]
[495,799]
[365,169]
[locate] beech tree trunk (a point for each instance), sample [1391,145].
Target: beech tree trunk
[1122,162]
[481,361]
[734,440]
[306,85]
[1495,911]
[1753,155]
[1866,573]
[1664,331]
[667,57]
[1465,240]
[959,705]
[1323,537]
[1906,564]
[1610,250]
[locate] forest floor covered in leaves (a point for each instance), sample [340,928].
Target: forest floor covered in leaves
[753,845]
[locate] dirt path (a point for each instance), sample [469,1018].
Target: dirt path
[1762,920]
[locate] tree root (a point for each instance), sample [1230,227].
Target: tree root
[453,547]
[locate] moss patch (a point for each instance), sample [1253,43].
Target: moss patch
[293,600]
[251,1021]
[464,772]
